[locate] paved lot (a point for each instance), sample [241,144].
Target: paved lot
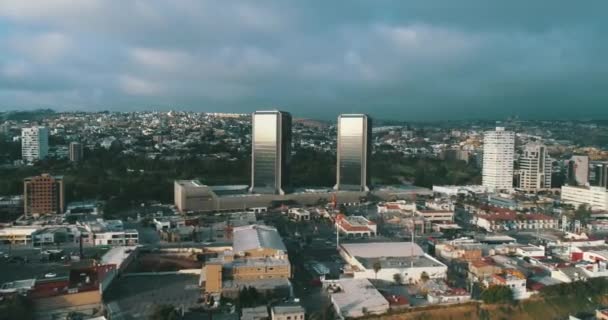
[134,297]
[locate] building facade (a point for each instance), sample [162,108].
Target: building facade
[595,197]
[34,144]
[76,152]
[498,151]
[354,150]
[600,174]
[270,151]
[535,167]
[43,194]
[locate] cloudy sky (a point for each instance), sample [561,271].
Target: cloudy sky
[403,59]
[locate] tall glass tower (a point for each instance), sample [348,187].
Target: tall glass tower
[354,150]
[270,151]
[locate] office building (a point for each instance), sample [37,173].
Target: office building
[354,151]
[270,152]
[599,171]
[192,195]
[535,167]
[594,197]
[76,152]
[43,194]
[578,170]
[498,150]
[34,144]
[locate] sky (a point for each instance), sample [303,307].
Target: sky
[401,60]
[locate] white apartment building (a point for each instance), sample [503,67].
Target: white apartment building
[34,144]
[535,167]
[116,238]
[595,197]
[498,151]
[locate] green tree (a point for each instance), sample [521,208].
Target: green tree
[398,278]
[377,267]
[497,294]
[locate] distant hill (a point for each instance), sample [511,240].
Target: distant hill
[33,115]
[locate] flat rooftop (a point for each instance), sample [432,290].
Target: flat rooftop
[382,249]
[357,294]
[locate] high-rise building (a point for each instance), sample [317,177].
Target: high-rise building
[354,150]
[43,194]
[578,170]
[76,152]
[600,174]
[498,150]
[270,151]
[34,143]
[535,167]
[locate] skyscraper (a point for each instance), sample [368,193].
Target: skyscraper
[535,167]
[34,143]
[76,152]
[578,170]
[270,151]
[498,150]
[354,149]
[43,194]
[600,174]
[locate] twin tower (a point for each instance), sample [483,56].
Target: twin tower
[271,152]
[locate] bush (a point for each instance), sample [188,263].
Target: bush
[497,294]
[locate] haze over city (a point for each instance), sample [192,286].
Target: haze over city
[412,60]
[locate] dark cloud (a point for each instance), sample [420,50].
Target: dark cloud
[412,60]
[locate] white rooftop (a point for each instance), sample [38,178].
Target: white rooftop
[382,249]
[117,255]
[357,295]
[255,237]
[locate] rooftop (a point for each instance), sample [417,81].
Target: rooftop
[357,294]
[382,249]
[256,237]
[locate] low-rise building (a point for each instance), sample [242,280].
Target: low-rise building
[287,312]
[511,220]
[403,258]
[299,214]
[18,235]
[355,226]
[513,279]
[354,298]
[116,238]
[257,313]
[450,296]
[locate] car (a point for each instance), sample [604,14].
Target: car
[50,275]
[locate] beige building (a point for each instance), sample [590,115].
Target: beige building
[287,312]
[43,194]
[258,254]
[191,195]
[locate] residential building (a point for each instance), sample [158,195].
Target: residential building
[403,258]
[511,220]
[287,312]
[456,295]
[595,197]
[299,214]
[43,194]
[76,152]
[459,249]
[355,226]
[270,151]
[535,167]
[498,152]
[127,237]
[353,152]
[34,144]
[354,298]
[578,170]
[513,279]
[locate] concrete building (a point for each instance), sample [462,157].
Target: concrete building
[353,152]
[270,151]
[498,151]
[116,238]
[43,194]
[191,195]
[356,226]
[578,170]
[76,152]
[513,279]
[256,313]
[595,197]
[18,235]
[299,214]
[354,298]
[34,144]
[287,312]
[403,258]
[535,168]
[511,220]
